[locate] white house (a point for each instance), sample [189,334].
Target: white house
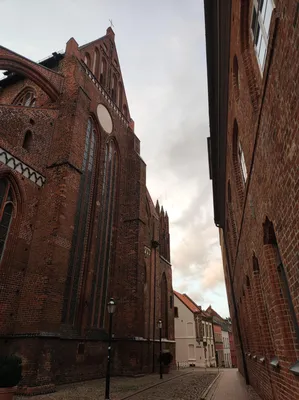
[189,349]
[226,349]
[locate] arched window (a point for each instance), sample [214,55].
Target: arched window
[164,306]
[239,162]
[96,63]
[274,262]
[105,236]
[87,59]
[27,143]
[6,212]
[114,88]
[125,110]
[103,71]
[120,95]
[26,98]
[82,227]
[231,215]
[236,77]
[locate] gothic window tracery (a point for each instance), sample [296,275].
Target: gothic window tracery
[26,98]
[6,212]
[82,227]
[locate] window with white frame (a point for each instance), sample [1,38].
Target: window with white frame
[242,163]
[260,25]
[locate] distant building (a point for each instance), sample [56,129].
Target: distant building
[232,347]
[186,331]
[226,346]
[193,333]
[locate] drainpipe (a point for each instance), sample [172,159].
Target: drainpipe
[236,312]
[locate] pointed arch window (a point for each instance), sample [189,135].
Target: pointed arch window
[82,227]
[114,88]
[27,143]
[103,72]
[164,306]
[87,59]
[106,236]
[26,98]
[96,63]
[6,212]
[125,111]
[239,162]
[120,95]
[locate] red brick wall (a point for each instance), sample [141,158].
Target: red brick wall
[266,110]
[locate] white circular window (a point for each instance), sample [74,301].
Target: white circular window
[104,118]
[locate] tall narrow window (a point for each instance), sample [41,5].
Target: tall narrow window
[105,236]
[96,61]
[27,143]
[125,111]
[103,72]
[260,26]
[285,293]
[6,212]
[26,98]
[82,227]
[114,88]
[242,163]
[120,95]
[164,306]
[87,59]
[239,162]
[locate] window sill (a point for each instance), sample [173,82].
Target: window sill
[274,362]
[295,368]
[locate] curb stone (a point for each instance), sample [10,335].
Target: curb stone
[154,385]
[207,391]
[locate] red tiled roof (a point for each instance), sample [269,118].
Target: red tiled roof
[188,303]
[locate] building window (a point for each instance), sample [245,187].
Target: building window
[120,95]
[114,89]
[164,305]
[26,98]
[103,71]
[106,235]
[239,162]
[125,111]
[87,59]
[6,212]
[170,301]
[176,312]
[96,60]
[189,329]
[236,77]
[82,227]
[27,142]
[191,352]
[242,163]
[260,26]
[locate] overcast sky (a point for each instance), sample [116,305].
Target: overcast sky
[161,48]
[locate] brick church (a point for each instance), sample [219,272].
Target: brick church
[77,223]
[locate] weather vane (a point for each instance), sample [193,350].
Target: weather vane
[111,23]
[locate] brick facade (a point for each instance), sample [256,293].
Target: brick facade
[83,226]
[258,215]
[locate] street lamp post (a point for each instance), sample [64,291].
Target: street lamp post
[111,309]
[160,331]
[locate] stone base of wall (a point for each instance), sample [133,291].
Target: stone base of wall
[51,361]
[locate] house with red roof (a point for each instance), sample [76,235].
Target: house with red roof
[193,333]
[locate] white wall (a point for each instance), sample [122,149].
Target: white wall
[226,349]
[187,348]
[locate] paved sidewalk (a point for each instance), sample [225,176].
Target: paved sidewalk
[231,386]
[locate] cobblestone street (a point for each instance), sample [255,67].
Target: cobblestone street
[183,385]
